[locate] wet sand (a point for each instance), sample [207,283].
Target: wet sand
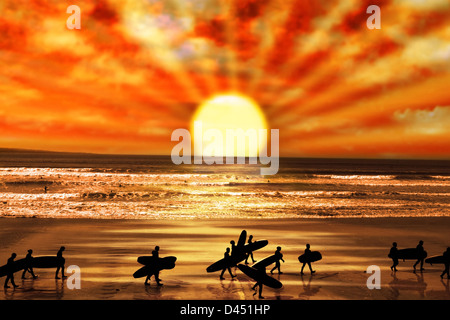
[106,251]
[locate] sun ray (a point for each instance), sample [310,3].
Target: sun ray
[138,69]
[144,27]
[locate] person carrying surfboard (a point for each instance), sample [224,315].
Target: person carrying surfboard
[29,265]
[250,254]
[394,256]
[155,254]
[227,258]
[446,255]
[260,285]
[61,265]
[236,250]
[420,255]
[307,254]
[10,275]
[279,256]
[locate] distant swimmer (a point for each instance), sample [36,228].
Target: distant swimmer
[10,274]
[421,256]
[393,254]
[61,261]
[446,263]
[307,256]
[279,256]
[250,254]
[227,258]
[29,265]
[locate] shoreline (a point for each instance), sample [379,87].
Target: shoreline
[106,251]
[219,218]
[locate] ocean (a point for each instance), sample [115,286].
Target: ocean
[66,185]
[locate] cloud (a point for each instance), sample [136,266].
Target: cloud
[424,122]
[424,4]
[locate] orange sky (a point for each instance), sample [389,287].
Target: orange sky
[137,70]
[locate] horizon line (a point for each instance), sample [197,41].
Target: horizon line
[25,150]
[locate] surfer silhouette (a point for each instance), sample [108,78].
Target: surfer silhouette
[155,255]
[61,265]
[446,255]
[28,265]
[279,256]
[228,263]
[394,256]
[250,254]
[307,254]
[421,256]
[10,275]
[259,285]
[233,248]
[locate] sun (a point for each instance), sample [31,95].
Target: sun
[236,112]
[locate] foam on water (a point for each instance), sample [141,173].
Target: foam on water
[131,188]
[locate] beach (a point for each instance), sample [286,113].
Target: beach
[107,210]
[106,251]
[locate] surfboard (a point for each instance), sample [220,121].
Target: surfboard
[250,247]
[16,266]
[148,260]
[242,238]
[143,272]
[435,260]
[410,254]
[260,276]
[408,285]
[165,263]
[240,256]
[47,262]
[222,263]
[311,257]
[267,261]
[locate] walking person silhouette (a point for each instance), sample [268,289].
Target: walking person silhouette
[259,285]
[227,258]
[279,256]
[61,262]
[420,255]
[10,268]
[155,254]
[307,254]
[250,254]
[393,254]
[446,263]
[29,265]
